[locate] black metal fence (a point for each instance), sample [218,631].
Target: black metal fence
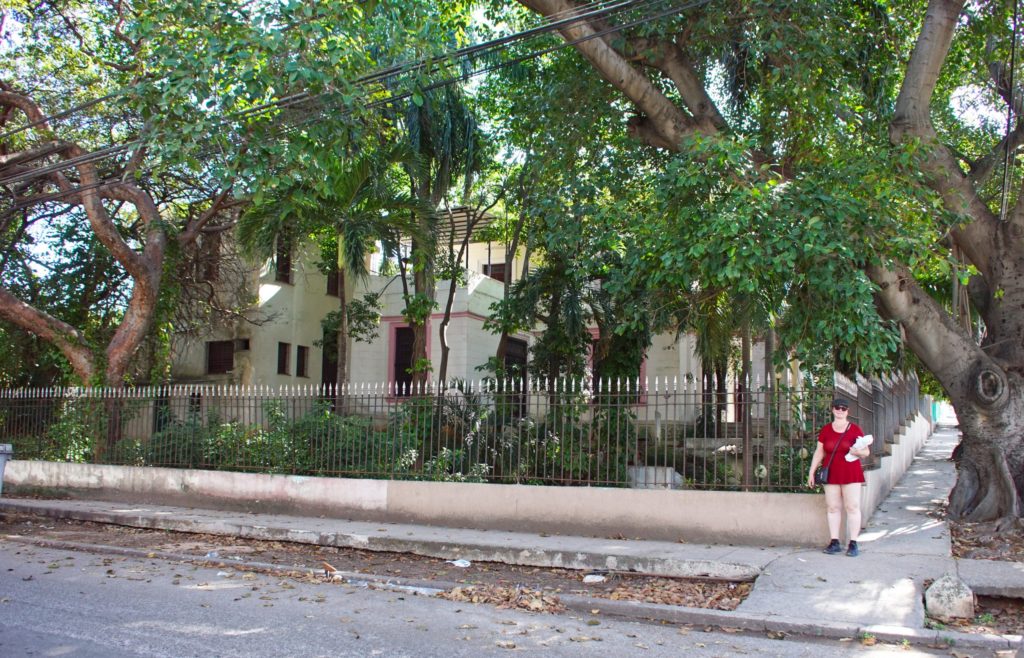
[641,434]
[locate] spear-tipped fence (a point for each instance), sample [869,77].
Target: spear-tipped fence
[658,433]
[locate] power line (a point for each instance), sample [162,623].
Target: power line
[60,115]
[600,9]
[389,100]
[564,19]
[1007,160]
[582,12]
[113,150]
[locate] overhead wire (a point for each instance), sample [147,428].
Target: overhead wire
[1007,160]
[376,77]
[600,9]
[548,23]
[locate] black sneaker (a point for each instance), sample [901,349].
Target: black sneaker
[852,550]
[833,547]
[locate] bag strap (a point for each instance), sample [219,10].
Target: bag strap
[837,444]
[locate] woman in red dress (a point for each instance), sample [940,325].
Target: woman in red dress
[845,478]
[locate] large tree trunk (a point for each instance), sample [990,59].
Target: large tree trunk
[988,398]
[341,344]
[983,381]
[424,285]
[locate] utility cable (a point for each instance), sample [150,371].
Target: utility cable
[552,22]
[377,76]
[1007,160]
[113,150]
[571,17]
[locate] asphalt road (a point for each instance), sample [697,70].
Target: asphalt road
[65,603]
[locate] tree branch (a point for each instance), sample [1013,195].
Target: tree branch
[665,124]
[145,268]
[195,226]
[36,153]
[68,340]
[982,168]
[942,345]
[912,114]
[912,121]
[673,62]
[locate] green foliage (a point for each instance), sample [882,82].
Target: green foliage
[418,308]
[364,317]
[789,468]
[363,320]
[446,467]
[317,443]
[77,423]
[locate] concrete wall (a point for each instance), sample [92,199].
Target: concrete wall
[692,516]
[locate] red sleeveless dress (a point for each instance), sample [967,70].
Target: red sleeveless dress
[841,471]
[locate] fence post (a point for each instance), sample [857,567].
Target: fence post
[748,443]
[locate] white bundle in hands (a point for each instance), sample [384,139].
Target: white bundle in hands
[861,442]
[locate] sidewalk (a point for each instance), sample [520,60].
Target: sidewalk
[797,590]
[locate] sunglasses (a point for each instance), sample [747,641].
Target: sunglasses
[840,407]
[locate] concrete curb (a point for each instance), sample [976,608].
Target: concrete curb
[429,548]
[990,578]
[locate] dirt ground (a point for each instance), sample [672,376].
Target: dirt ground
[504,585]
[980,541]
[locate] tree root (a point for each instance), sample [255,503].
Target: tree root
[1008,524]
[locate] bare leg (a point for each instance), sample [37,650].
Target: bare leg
[834,508]
[851,502]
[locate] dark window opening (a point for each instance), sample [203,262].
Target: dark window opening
[195,405]
[495,271]
[334,283]
[302,361]
[515,355]
[283,260]
[403,361]
[162,415]
[283,350]
[220,357]
[329,362]
[516,352]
